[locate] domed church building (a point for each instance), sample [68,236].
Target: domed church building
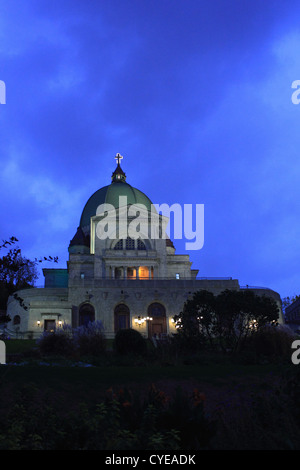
[122,271]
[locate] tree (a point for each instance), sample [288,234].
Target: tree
[195,320]
[4,319]
[240,313]
[286,301]
[17,272]
[226,319]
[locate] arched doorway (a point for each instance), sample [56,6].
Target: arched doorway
[122,316]
[158,325]
[86,314]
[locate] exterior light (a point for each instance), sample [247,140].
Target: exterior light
[178,323]
[60,322]
[140,320]
[38,323]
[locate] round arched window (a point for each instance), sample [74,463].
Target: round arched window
[17,320]
[122,316]
[86,314]
[130,244]
[156,310]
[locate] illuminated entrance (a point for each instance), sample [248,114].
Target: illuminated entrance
[157,328]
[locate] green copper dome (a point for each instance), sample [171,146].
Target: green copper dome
[110,195]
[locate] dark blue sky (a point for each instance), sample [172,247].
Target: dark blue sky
[197,97]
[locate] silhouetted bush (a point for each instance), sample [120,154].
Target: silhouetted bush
[86,340]
[90,339]
[56,343]
[271,342]
[130,341]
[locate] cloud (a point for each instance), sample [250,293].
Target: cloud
[196,95]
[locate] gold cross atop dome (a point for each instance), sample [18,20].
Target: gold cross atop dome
[118,157]
[118,175]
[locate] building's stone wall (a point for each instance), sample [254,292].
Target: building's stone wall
[62,305]
[99,275]
[42,304]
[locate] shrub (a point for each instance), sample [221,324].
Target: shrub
[90,339]
[271,341]
[130,341]
[56,343]
[85,340]
[183,343]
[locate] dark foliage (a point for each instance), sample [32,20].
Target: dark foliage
[17,272]
[90,340]
[56,343]
[130,341]
[4,318]
[118,422]
[270,342]
[224,321]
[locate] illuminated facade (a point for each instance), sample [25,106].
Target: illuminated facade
[124,282]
